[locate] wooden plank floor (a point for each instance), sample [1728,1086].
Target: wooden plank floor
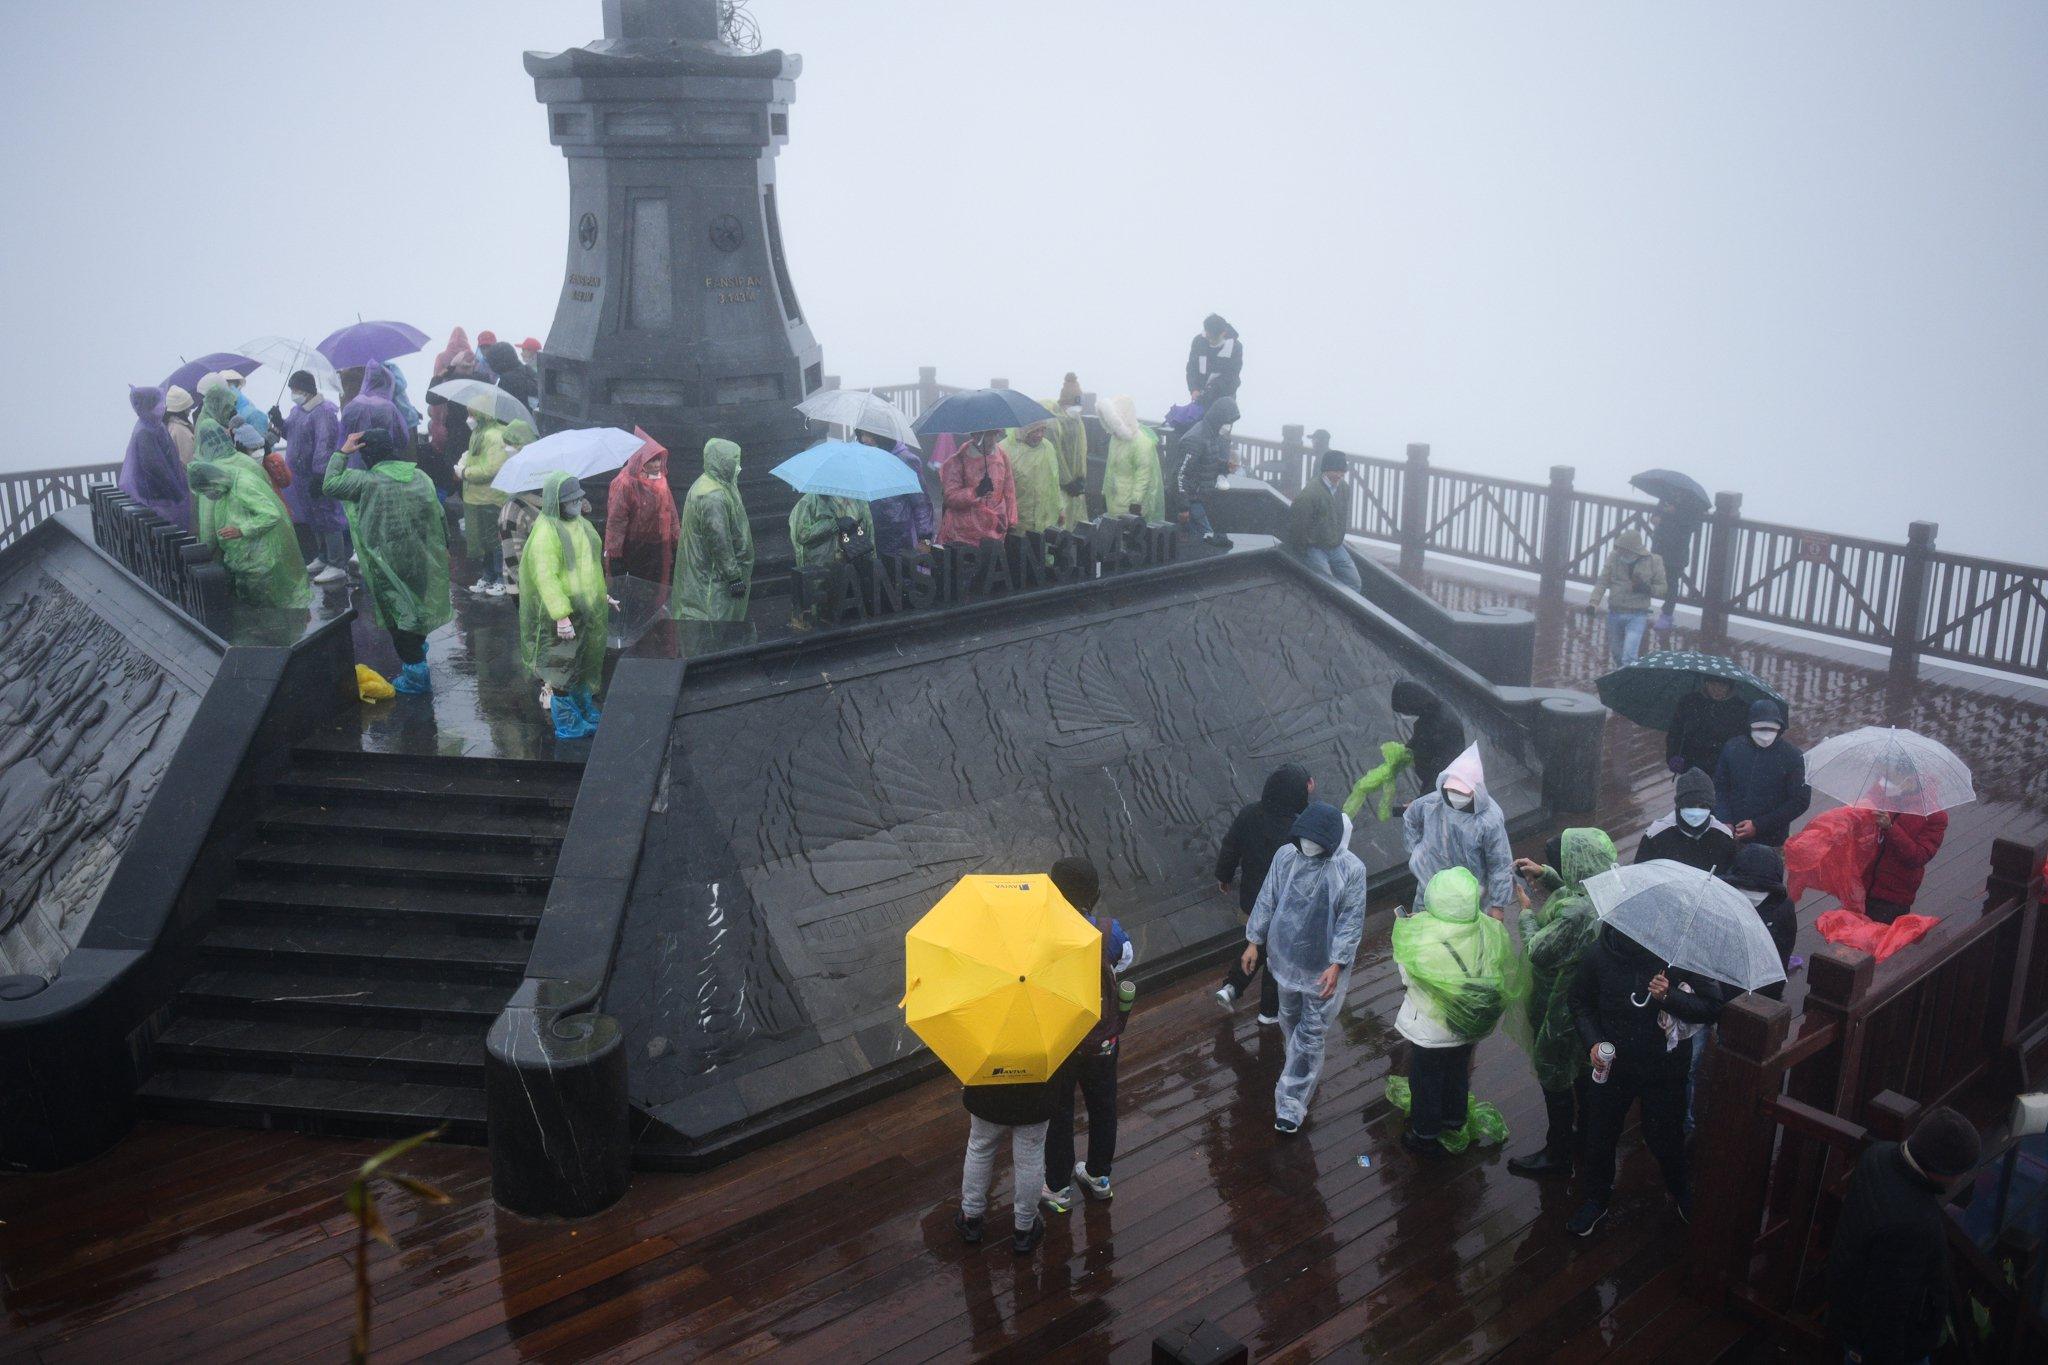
[217,1244]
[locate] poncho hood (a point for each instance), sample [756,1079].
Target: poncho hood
[649,451]
[1452,895]
[1630,544]
[376,383]
[520,433]
[148,404]
[1323,823]
[1468,770]
[220,405]
[209,479]
[722,461]
[458,343]
[1411,698]
[1584,852]
[1120,417]
[1286,790]
[552,486]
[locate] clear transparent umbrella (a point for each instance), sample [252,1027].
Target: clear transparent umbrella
[488,399]
[1690,918]
[1887,769]
[582,451]
[286,354]
[859,410]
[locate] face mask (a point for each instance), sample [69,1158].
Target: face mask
[572,510]
[1458,800]
[1764,735]
[1694,816]
[1311,848]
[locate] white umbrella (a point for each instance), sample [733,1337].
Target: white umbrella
[1888,769]
[859,410]
[286,354]
[582,451]
[487,399]
[1691,919]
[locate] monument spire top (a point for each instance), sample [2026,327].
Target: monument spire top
[658,23]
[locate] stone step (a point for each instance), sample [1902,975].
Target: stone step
[342,1051]
[484,792]
[430,774]
[256,896]
[374,948]
[420,819]
[330,1106]
[310,994]
[365,857]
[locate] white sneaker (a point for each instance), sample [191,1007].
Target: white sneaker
[315,564]
[511,588]
[495,590]
[1269,1019]
[1093,1188]
[329,574]
[1226,996]
[480,587]
[1055,1201]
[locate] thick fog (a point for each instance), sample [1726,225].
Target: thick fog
[1795,249]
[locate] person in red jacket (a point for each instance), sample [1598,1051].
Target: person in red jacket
[1905,845]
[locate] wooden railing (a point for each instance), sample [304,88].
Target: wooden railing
[1785,1114]
[32,496]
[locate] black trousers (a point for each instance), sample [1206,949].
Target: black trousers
[1439,1084]
[1662,1093]
[1240,980]
[1884,912]
[1566,1112]
[411,646]
[1096,1077]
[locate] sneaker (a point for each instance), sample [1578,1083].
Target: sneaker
[1269,1019]
[329,574]
[1221,542]
[1055,1201]
[495,590]
[1092,1186]
[969,1228]
[1226,996]
[1024,1241]
[1541,1164]
[480,587]
[511,588]
[1586,1219]
[1286,1127]
[315,565]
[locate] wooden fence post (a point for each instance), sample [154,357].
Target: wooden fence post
[1414,528]
[927,387]
[1555,547]
[1719,592]
[1909,615]
[1734,1151]
[2014,868]
[999,383]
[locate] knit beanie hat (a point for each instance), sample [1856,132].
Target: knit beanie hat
[1944,1144]
[1078,881]
[1333,462]
[1695,788]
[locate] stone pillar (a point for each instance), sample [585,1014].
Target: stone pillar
[927,387]
[1294,471]
[556,1105]
[677,313]
[1720,587]
[1909,617]
[1414,509]
[1555,547]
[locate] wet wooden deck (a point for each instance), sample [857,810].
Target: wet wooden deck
[223,1245]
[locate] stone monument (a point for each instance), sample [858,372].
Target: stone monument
[677,311]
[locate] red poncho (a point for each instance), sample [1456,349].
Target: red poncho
[640,522]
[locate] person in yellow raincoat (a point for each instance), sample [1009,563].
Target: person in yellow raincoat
[1132,480]
[481,504]
[563,611]
[1070,437]
[1035,465]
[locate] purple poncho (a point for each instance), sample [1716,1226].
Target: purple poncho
[151,472]
[902,521]
[372,409]
[311,435]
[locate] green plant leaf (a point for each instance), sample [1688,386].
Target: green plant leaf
[373,1223]
[354,1197]
[420,1189]
[399,1149]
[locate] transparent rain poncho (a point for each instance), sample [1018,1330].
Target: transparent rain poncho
[1459,963]
[1484,1123]
[401,541]
[562,575]
[263,560]
[1131,473]
[1441,837]
[1556,936]
[1310,913]
[1036,469]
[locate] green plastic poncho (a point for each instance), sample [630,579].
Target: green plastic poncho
[562,574]
[401,540]
[1132,475]
[213,443]
[263,561]
[1484,1123]
[1036,470]
[1394,760]
[1070,435]
[486,455]
[1556,935]
[818,512]
[716,548]
[1460,965]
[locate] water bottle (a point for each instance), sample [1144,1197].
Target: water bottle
[1126,993]
[1603,1063]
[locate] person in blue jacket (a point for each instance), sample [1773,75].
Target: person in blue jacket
[1760,783]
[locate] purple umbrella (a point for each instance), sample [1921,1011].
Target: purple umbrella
[188,375]
[365,342]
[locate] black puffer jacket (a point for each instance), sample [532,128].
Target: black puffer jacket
[1613,975]
[1439,735]
[1204,451]
[1215,371]
[513,376]
[1258,832]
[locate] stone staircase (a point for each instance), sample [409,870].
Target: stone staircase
[377,923]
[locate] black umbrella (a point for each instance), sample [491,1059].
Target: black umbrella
[1668,485]
[981,410]
[1648,690]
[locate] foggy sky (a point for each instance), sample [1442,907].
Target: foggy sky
[1795,249]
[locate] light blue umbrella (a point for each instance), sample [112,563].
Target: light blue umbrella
[842,469]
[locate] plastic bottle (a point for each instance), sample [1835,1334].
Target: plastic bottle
[1603,1063]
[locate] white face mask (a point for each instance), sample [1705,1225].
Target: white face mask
[1311,848]
[1695,816]
[1764,735]
[1458,800]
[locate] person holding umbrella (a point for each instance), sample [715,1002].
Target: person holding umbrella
[402,544]
[312,433]
[905,524]
[563,610]
[826,529]
[1702,723]
[714,568]
[1682,504]
[1900,787]
[980,492]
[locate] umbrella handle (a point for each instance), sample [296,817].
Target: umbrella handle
[1645,1002]
[915,983]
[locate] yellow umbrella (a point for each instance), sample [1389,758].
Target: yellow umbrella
[1002,978]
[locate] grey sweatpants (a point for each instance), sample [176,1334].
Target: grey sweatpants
[1027,1155]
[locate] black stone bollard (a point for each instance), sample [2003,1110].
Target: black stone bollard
[556,1103]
